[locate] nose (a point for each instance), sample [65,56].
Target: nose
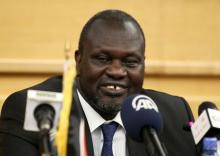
[116,70]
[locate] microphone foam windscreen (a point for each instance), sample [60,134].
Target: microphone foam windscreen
[205,105]
[139,111]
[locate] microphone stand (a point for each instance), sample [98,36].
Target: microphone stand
[150,136]
[45,146]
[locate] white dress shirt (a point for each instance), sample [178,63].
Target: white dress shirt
[95,121]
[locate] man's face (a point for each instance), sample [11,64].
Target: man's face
[111,66]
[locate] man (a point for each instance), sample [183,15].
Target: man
[110,67]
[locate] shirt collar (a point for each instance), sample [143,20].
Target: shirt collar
[94,119]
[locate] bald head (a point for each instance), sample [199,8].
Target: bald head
[112,20]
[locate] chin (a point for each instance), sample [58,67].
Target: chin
[109,106]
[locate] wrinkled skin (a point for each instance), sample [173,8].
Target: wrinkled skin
[111,66]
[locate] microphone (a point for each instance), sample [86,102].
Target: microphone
[208,122]
[41,114]
[142,121]
[205,105]
[42,110]
[44,115]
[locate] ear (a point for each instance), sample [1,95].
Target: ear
[78,61]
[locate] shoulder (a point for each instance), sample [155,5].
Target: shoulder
[160,94]
[162,97]
[14,105]
[170,104]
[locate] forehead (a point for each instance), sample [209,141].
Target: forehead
[113,34]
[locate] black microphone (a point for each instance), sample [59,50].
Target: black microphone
[142,122]
[44,114]
[208,122]
[202,107]
[41,114]
[42,110]
[205,105]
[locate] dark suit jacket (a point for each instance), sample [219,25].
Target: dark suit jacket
[14,141]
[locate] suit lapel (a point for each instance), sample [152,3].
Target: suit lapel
[89,144]
[80,115]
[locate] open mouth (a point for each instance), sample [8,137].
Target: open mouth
[113,89]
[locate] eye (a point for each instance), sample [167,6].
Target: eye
[131,62]
[102,59]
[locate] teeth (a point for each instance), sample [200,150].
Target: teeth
[117,88]
[110,87]
[114,87]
